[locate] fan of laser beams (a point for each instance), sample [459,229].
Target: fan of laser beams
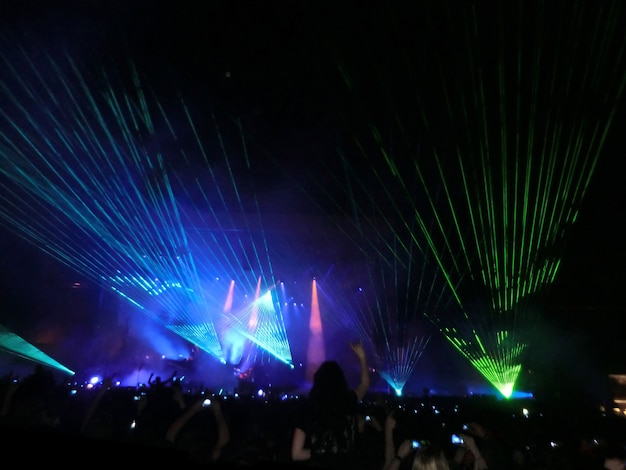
[84,203]
[87,177]
[262,323]
[524,169]
[395,311]
[384,309]
[18,346]
[398,360]
[505,179]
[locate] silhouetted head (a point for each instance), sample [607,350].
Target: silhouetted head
[329,379]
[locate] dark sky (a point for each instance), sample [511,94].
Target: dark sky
[306,78]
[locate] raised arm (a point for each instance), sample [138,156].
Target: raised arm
[394,457]
[364,384]
[223,432]
[180,422]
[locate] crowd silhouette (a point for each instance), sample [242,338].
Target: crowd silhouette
[333,426]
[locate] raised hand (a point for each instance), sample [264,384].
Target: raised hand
[358,349]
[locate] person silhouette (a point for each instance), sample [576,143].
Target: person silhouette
[325,432]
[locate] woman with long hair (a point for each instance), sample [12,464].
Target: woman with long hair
[325,433]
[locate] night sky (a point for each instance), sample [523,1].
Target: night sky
[304,81]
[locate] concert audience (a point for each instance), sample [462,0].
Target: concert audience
[127,425]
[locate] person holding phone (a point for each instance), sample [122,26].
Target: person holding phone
[489,449]
[411,454]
